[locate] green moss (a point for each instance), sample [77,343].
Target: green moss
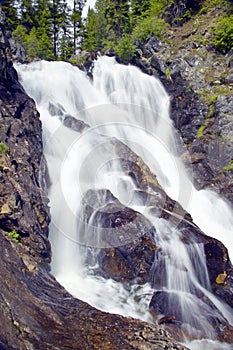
[3,148]
[200,132]
[15,236]
[211,111]
[168,73]
[210,96]
[228,167]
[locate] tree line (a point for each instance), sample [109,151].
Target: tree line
[48,29]
[55,29]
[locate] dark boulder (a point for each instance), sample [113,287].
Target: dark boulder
[172,310]
[223,285]
[158,64]
[74,124]
[126,238]
[153,45]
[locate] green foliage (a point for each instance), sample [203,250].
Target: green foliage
[168,73]
[223,34]
[125,48]
[139,10]
[20,35]
[90,36]
[28,14]
[118,20]
[151,22]
[149,26]
[200,132]
[228,167]
[47,29]
[210,96]
[11,14]
[37,44]
[3,148]
[15,236]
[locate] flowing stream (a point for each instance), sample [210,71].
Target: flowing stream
[125,104]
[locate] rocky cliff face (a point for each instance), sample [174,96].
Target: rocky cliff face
[200,83]
[35,311]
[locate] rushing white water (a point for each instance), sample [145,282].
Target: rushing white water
[126,104]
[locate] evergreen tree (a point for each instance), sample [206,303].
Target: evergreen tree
[27,14]
[44,30]
[90,35]
[112,22]
[139,9]
[12,20]
[118,19]
[101,24]
[77,23]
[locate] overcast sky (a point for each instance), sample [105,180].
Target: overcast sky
[90,3]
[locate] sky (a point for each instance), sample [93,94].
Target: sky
[90,3]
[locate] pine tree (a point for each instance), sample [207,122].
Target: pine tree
[112,22]
[118,20]
[90,35]
[139,9]
[27,14]
[77,23]
[101,24]
[44,30]
[12,20]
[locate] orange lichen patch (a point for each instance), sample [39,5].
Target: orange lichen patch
[221,278]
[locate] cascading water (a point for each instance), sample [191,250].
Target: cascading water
[127,105]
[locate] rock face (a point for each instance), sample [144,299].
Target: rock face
[131,250]
[35,311]
[21,207]
[198,79]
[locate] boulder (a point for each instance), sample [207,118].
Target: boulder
[126,238]
[74,124]
[171,309]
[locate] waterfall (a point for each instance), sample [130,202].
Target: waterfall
[122,104]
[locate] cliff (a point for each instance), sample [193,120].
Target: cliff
[199,80]
[35,311]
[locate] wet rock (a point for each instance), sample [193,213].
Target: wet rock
[211,154]
[126,237]
[56,110]
[170,310]
[74,124]
[110,52]
[32,302]
[223,287]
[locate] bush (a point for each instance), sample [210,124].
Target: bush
[125,48]
[223,34]
[148,27]
[3,148]
[15,236]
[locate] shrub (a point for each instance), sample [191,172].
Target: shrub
[223,34]
[15,236]
[3,148]
[125,48]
